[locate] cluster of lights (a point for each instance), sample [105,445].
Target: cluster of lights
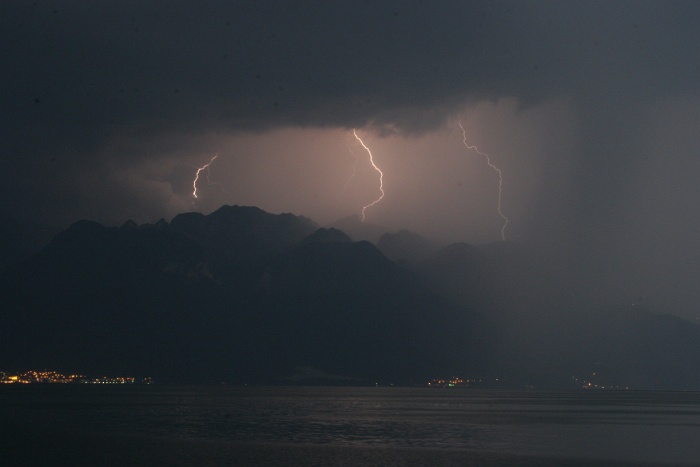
[46,376]
[450,383]
[587,384]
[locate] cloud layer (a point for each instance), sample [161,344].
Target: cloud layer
[590,109]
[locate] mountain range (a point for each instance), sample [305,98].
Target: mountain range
[242,296]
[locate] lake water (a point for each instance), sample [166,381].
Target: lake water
[589,426]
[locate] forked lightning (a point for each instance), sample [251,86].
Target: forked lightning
[381,176]
[199,171]
[500,178]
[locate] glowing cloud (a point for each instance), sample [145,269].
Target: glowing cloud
[500,178]
[354,169]
[381,176]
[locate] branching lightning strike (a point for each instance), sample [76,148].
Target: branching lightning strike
[381,176]
[500,178]
[199,171]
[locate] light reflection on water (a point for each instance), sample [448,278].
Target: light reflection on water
[624,425]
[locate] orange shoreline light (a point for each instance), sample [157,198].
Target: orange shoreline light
[53,377]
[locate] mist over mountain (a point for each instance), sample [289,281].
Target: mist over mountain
[245,296]
[358,230]
[406,246]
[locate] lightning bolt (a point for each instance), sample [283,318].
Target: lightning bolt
[500,178]
[199,171]
[381,176]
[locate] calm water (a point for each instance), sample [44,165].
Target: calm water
[609,425]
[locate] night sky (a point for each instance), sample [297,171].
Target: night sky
[590,109]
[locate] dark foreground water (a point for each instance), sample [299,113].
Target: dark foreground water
[151,425]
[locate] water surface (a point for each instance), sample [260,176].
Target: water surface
[615,426]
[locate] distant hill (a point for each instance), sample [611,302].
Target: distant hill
[546,333]
[406,246]
[245,296]
[239,241]
[358,230]
[239,295]
[20,239]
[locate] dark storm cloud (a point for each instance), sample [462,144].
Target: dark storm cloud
[85,67]
[78,74]
[251,65]
[107,106]
[75,74]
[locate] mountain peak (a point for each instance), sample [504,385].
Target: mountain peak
[330,235]
[358,230]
